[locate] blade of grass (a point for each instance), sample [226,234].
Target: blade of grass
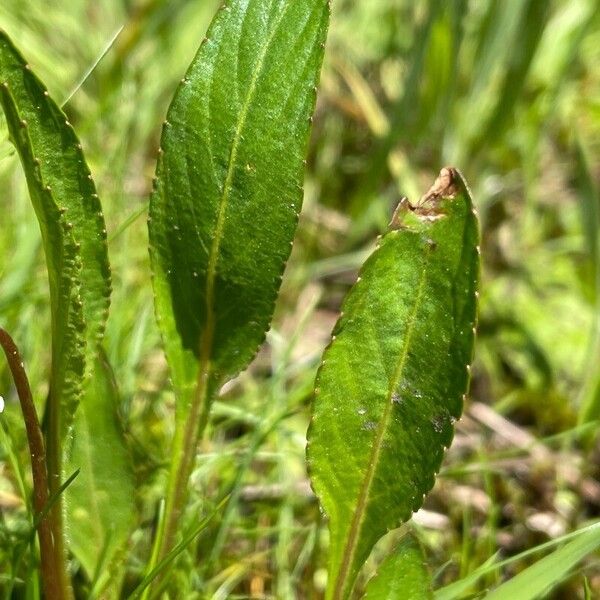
[175,552]
[94,65]
[457,589]
[589,203]
[538,579]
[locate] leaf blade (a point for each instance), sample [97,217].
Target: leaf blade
[71,221]
[100,502]
[392,381]
[236,134]
[402,574]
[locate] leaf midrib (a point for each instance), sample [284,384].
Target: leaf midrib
[207,339]
[359,513]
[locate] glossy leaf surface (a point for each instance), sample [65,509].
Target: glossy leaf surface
[229,183]
[71,223]
[393,379]
[101,501]
[403,574]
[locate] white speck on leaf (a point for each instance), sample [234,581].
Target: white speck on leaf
[438,424]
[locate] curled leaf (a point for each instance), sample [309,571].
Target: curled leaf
[71,222]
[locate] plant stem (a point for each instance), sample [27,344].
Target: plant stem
[54,465]
[185,444]
[189,429]
[51,578]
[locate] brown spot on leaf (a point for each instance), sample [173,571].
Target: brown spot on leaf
[443,187]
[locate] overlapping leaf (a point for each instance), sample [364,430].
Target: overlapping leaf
[71,222]
[392,381]
[229,183]
[403,574]
[101,500]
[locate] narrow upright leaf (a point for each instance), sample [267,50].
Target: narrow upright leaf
[392,381]
[229,183]
[537,580]
[101,500]
[403,574]
[226,201]
[460,589]
[71,222]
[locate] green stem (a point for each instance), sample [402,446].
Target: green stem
[188,432]
[183,465]
[52,580]
[55,472]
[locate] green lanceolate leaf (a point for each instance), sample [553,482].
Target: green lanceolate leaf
[71,222]
[226,199]
[393,379]
[229,182]
[100,502]
[403,574]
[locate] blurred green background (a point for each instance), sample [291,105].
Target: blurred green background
[506,90]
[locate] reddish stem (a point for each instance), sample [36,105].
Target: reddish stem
[35,439]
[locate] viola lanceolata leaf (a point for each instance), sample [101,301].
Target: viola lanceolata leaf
[393,379]
[228,186]
[101,501]
[402,574]
[72,226]
[226,200]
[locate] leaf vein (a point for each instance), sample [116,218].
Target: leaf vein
[359,514]
[237,139]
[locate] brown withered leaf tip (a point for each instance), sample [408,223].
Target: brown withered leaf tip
[443,187]
[427,208]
